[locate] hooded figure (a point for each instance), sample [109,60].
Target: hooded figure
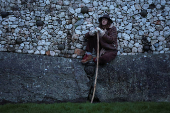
[107,41]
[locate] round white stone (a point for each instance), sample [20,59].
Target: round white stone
[58,7]
[39,47]
[30,51]
[133,8]
[52,53]
[78,10]
[84,32]
[78,31]
[37,52]
[160,38]
[125,8]
[145,6]
[140,50]
[62,14]
[48,43]
[111,7]
[150,1]
[12,18]
[126,36]
[134,50]
[75,36]
[66,2]
[130,45]
[141,32]
[79,45]
[129,26]
[74,55]
[81,38]
[137,6]
[60,32]
[42,52]
[47,2]
[86,1]
[69,26]
[95,3]
[125,42]
[156,33]
[136,44]
[153,41]
[3,42]
[71,10]
[22,45]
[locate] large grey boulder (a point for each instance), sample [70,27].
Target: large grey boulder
[33,78]
[144,77]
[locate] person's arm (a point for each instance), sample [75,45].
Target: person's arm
[110,36]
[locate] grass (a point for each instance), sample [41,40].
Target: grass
[117,107]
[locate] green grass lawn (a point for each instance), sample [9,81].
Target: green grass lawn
[117,107]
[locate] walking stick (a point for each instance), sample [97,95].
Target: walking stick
[96,67]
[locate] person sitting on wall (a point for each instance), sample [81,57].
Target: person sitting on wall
[107,41]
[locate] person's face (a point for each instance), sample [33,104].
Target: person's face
[104,21]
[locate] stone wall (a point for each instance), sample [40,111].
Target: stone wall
[57,27]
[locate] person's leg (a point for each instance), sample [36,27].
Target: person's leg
[91,43]
[107,57]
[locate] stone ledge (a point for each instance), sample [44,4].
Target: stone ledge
[142,77]
[46,79]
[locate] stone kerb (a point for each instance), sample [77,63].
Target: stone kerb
[57,28]
[35,78]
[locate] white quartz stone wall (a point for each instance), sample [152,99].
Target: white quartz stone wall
[65,25]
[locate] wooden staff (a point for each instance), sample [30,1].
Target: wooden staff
[96,67]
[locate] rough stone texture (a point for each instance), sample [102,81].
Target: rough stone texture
[47,79]
[33,78]
[135,78]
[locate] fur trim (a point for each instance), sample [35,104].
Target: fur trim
[111,26]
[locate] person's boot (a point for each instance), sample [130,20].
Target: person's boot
[86,58]
[95,60]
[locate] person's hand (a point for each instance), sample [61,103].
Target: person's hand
[102,32]
[92,32]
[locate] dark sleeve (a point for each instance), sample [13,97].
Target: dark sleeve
[88,36]
[110,36]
